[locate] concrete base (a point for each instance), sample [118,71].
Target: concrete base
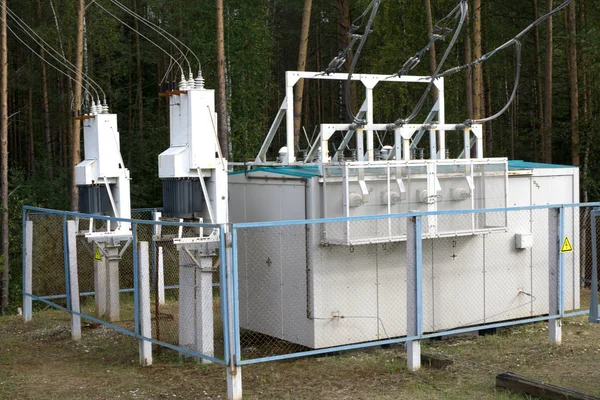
[555,331]
[234,383]
[413,355]
[196,330]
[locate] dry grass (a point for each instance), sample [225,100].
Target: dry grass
[39,361]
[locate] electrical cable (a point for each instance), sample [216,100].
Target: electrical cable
[373,6]
[439,33]
[463,14]
[145,37]
[514,91]
[515,41]
[66,63]
[42,58]
[161,32]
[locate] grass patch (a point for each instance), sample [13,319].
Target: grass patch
[38,360]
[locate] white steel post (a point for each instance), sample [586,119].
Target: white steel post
[413,291]
[100,280]
[145,347]
[234,372]
[370,142]
[161,277]
[204,309]
[186,301]
[27,306]
[554,325]
[439,83]
[73,281]
[290,81]
[113,301]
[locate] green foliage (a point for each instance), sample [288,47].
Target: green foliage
[261,43]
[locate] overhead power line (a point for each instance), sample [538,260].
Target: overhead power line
[145,37]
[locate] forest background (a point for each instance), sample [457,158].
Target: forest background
[551,120]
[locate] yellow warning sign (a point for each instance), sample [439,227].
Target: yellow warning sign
[98,256]
[566,246]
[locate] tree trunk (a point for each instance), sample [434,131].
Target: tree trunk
[4,156]
[478,90]
[432,57]
[75,134]
[548,89]
[140,94]
[573,82]
[45,106]
[302,55]
[538,89]
[30,153]
[221,90]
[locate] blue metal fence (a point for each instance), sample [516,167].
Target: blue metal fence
[243,345]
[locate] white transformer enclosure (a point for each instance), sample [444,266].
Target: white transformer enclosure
[104,188]
[333,284]
[103,165]
[194,175]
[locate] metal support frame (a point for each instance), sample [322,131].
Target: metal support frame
[369,81]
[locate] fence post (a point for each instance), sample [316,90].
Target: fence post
[27,278]
[414,299]
[113,301]
[555,224]
[145,346]
[73,281]
[234,372]
[593,318]
[100,280]
[161,277]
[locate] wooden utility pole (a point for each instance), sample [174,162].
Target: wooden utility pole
[45,103]
[302,54]
[76,135]
[548,89]
[4,156]
[221,90]
[573,83]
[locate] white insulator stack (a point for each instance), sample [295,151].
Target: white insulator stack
[200,81]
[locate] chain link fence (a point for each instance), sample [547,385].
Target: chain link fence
[158,280]
[306,288]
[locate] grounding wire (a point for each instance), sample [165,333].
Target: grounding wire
[42,58]
[463,14]
[161,32]
[145,37]
[65,63]
[373,6]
